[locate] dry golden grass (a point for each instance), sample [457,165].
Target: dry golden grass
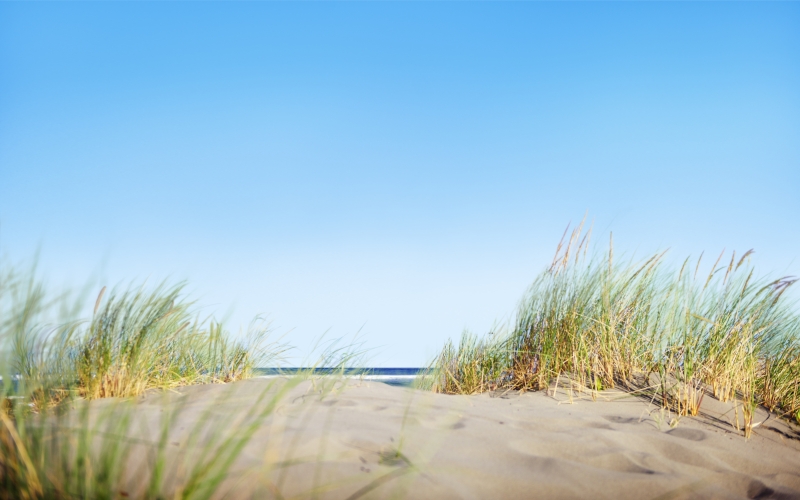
[602,322]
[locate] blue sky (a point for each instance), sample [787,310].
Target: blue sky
[401,168]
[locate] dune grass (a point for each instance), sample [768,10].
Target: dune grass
[677,333]
[70,426]
[135,340]
[606,323]
[106,449]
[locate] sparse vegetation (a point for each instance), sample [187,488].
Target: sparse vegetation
[677,332]
[135,340]
[674,334]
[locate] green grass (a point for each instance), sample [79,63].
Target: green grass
[70,426]
[135,340]
[677,333]
[94,450]
[607,323]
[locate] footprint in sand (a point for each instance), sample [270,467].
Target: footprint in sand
[690,434]
[620,420]
[599,425]
[621,461]
[757,489]
[339,402]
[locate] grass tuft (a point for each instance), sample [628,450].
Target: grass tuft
[135,340]
[605,323]
[57,443]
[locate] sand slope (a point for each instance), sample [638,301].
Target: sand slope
[371,440]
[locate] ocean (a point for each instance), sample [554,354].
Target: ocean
[403,377]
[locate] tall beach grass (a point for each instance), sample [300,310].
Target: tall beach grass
[676,331]
[53,444]
[136,339]
[71,425]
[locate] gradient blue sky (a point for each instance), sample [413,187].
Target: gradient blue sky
[407,168]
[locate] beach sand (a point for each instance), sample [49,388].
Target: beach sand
[370,440]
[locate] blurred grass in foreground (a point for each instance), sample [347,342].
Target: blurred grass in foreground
[639,325]
[135,340]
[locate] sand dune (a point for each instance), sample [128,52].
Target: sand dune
[371,440]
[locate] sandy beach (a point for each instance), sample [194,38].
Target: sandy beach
[370,440]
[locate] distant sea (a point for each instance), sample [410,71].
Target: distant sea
[393,376]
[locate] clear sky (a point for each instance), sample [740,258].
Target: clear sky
[401,168]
